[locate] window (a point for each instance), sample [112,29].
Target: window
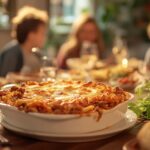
[7,10]
[62,15]
[65,11]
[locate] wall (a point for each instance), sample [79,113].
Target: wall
[42,4]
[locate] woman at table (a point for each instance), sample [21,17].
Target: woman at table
[147,61]
[29,31]
[85,29]
[147,56]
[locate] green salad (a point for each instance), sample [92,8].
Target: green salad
[141,106]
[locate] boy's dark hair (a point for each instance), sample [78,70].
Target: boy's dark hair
[27,20]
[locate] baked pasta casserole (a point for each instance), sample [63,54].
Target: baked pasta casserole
[63,97]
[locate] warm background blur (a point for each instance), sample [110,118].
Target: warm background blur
[126,19]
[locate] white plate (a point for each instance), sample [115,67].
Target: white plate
[127,122]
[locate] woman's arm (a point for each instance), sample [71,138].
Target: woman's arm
[61,58]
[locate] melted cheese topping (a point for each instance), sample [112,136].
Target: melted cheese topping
[63,97]
[60,91]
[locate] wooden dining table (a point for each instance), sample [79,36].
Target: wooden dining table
[20,142]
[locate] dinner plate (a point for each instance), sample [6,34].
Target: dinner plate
[127,122]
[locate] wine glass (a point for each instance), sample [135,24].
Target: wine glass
[89,54]
[47,71]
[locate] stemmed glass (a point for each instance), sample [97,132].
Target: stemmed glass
[89,54]
[120,50]
[47,71]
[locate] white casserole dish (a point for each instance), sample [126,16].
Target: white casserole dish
[60,124]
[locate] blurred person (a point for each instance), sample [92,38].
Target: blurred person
[85,29]
[147,55]
[29,31]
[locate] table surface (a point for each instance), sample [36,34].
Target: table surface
[116,142]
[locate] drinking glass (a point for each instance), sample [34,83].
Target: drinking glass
[47,71]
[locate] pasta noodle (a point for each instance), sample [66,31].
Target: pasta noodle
[63,97]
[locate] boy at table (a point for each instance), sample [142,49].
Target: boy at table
[29,31]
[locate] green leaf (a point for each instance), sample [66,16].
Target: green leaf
[135,109]
[142,105]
